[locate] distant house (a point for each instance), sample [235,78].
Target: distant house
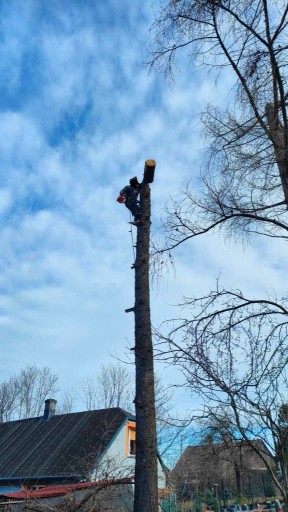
[68,449]
[230,468]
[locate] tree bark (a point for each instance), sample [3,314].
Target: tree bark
[146,484]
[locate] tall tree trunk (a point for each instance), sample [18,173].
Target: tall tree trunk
[146,485]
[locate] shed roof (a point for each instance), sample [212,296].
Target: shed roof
[66,444]
[63,490]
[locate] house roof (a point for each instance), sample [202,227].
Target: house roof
[217,448]
[204,458]
[66,444]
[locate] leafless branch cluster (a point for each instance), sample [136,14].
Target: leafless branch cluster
[235,358]
[245,176]
[112,387]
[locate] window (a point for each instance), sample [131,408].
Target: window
[131,439]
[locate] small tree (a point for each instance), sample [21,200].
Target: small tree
[210,499]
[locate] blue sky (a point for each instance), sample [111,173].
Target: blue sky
[79,114]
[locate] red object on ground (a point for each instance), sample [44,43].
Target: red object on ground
[121,199]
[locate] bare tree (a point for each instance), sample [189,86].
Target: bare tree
[232,348]
[35,385]
[112,387]
[9,399]
[236,369]
[23,395]
[67,403]
[89,394]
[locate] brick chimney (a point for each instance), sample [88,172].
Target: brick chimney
[50,408]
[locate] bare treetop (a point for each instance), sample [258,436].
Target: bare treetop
[245,173]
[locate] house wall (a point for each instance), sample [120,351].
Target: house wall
[116,463]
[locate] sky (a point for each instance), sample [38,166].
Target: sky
[79,115]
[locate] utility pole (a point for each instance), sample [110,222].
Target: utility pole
[146,481]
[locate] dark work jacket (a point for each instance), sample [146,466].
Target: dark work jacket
[130,192]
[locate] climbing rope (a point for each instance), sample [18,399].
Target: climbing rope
[132,239]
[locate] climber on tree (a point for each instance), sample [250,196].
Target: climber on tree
[129,196]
